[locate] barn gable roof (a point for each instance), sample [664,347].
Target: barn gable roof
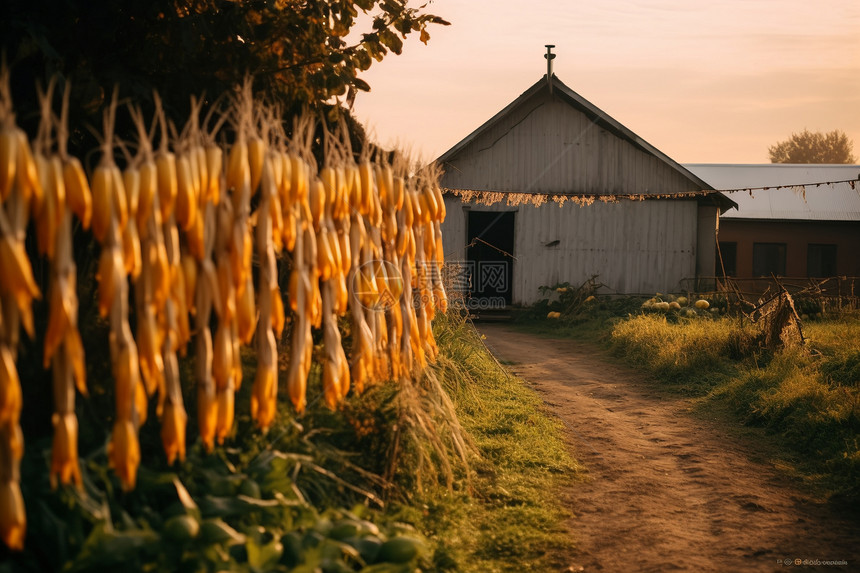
[626,166]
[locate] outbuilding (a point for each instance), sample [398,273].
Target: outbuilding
[793,221]
[553,190]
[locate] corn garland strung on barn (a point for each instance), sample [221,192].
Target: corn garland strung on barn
[362,238]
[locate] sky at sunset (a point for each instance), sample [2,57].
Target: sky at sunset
[704,82]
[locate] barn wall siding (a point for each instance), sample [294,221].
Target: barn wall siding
[637,247]
[544,145]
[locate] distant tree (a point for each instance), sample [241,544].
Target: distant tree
[813,147]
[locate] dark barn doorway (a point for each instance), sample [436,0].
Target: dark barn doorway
[491,240]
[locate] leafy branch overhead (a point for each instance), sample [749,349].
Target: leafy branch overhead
[301,53]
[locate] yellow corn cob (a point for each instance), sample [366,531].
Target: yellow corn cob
[256,155]
[126,379]
[78,194]
[202,178]
[131,249]
[278,315]
[226,407]
[13,518]
[8,160]
[263,405]
[64,451]
[194,171]
[207,416]
[328,178]
[131,186]
[246,311]
[325,258]
[286,181]
[147,189]
[124,452]
[189,271]
[161,274]
[398,193]
[46,230]
[331,383]
[225,295]
[17,276]
[151,363]
[222,356]
[237,356]
[214,165]
[111,271]
[440,203]
[290,230]
[141,404]
[299,180]
[10,387]
[165,164]
[59,314]
[385,183]
[238,169]
[75,353]
[119,197]
[195,236]
[103,195]
[27,177]
[182,327]
[173,421]
[366,185]
[186,197]
[240,244]
[316,201]
[264,392]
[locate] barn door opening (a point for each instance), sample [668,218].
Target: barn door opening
[491,239]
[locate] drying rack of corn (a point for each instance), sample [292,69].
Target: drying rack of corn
[191,232]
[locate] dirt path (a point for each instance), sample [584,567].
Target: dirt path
[667,491]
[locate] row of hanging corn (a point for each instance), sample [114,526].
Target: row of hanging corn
[361,240]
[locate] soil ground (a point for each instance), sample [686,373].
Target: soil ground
[667,490]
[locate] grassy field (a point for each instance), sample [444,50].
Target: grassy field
[803,400]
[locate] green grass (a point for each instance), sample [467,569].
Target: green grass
[511,520]
[803,402]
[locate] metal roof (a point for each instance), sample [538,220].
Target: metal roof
[786,192]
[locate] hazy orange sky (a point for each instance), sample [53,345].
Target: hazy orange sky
[704,82]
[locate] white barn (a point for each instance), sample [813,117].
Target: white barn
[514,189]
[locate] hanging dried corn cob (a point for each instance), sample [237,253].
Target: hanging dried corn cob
[18,185]
[152,284]
[207,291]
[173,316]
[265,391]
[335,367]
[63,349]
[301,295]
[223,364]
[110,215]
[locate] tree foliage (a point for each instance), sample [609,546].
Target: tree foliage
[813,147]
[301,53]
